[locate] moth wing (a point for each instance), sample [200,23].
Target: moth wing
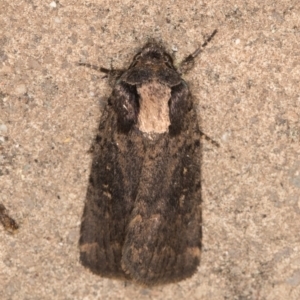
[109,201]
[163,238]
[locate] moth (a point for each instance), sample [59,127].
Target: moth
[9,224]
[142,216]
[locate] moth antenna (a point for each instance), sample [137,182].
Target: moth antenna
[187,64]
[96,68]
[209,38]
[111,74]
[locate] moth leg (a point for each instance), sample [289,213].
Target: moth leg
[187,64]
[209,139]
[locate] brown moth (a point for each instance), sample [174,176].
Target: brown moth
[142,215]
[9,223]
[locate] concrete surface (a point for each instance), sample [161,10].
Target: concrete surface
[246,83]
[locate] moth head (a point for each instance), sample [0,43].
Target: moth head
[153,54]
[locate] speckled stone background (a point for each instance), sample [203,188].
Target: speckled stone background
[246,86]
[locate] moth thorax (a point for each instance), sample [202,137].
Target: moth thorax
[154,110]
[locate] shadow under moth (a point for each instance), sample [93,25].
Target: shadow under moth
[142,215]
